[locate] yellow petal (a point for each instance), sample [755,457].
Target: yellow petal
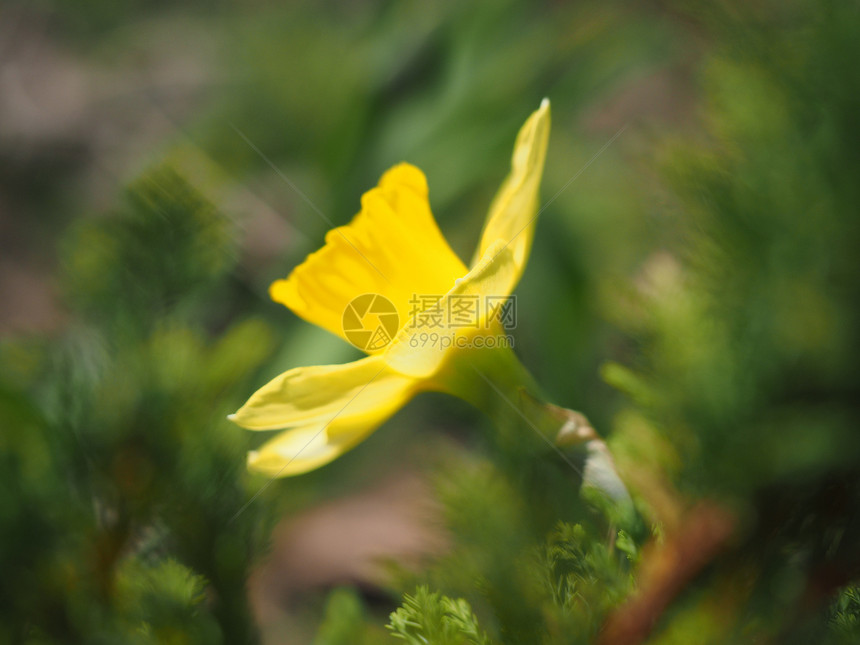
[393,247]
[304,448]
[294,452]
[415,352]
[514,210]
[300,450]
[306,396]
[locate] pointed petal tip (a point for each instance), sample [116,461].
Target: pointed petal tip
[231,417]
[545,103]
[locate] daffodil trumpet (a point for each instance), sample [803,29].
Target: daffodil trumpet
[379,265]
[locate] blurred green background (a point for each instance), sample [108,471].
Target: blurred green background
[162,163]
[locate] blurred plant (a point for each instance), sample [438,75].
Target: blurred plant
[748,369]
[119,478]
[431,618]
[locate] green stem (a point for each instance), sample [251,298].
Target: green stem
[496,382]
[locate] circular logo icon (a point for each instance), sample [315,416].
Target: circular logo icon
[370,321]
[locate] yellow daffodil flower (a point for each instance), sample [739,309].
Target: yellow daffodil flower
[389,253]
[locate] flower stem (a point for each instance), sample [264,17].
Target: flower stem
[496,382]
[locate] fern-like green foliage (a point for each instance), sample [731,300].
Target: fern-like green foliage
[516,578]
[571,582]
[749,369]
[429,617]
[157,256]
[844,617]
[120,474]
[585,578]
